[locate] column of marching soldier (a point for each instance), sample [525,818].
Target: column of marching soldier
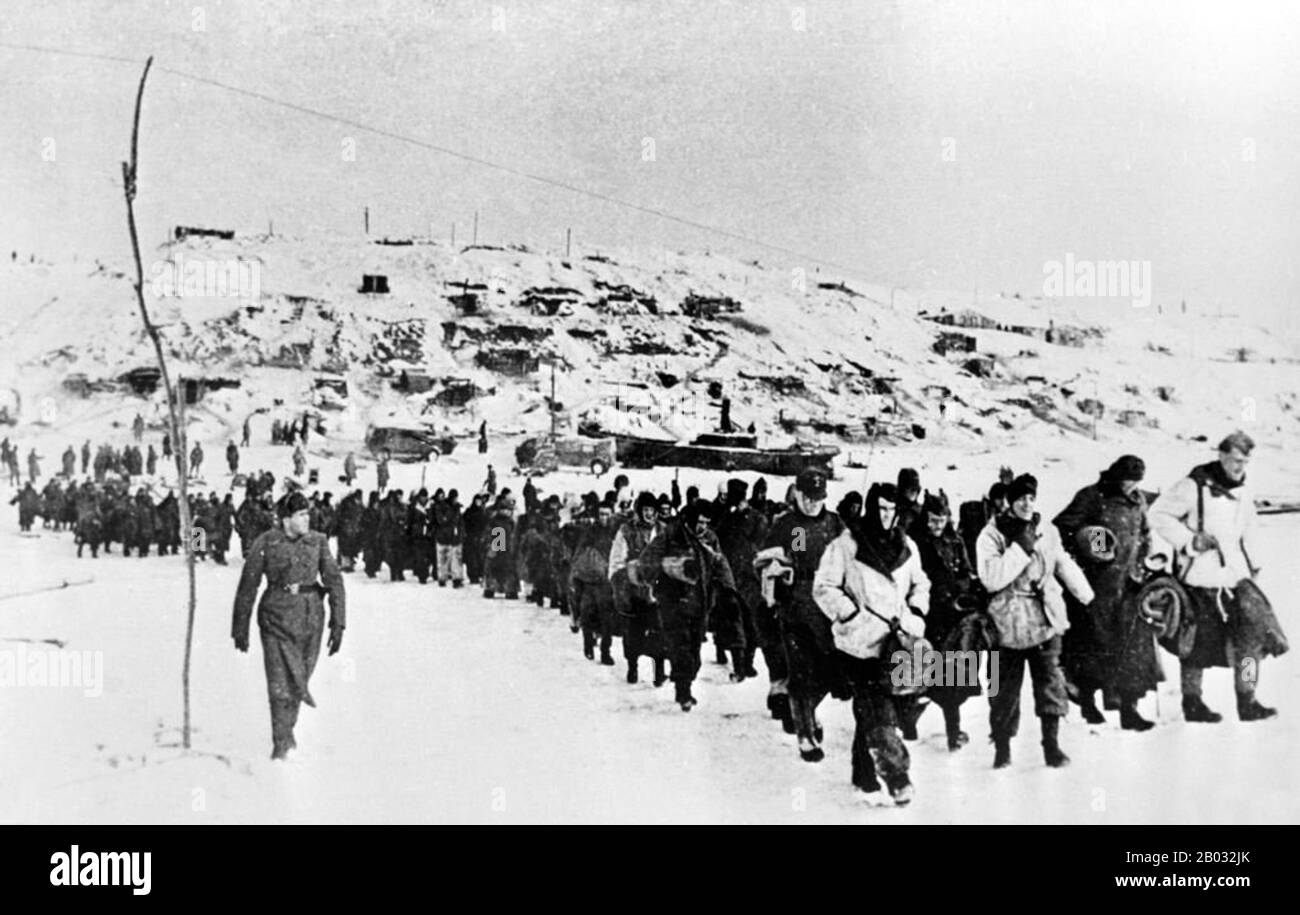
[826,597]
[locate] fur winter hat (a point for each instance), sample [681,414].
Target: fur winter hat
[700,508]
[1024,485]
[908,481]
[1127,467]
[292,504]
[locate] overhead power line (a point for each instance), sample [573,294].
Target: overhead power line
[448,151]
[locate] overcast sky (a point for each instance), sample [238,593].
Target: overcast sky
[931,145]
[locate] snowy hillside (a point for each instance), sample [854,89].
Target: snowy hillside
[827,355]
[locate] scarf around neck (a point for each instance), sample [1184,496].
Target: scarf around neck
[1211,474]
[880,549]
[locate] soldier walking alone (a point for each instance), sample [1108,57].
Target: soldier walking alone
[291,616]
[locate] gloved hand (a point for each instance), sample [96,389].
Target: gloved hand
[1204,541]
[336,639]
[241,642]
[1027,535]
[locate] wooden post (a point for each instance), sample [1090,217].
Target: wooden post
[129,182]
[568,242]
[453,234]
[367,220]
[552,404]
[475,241]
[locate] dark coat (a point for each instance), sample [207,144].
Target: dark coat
[448,527]
[741,532]
[29,503]
[289,622]
[347,523]
[369,531]
[474,523]
[947,564]
[169,522]
[90,527]
[705,563]
[146,521]
[952,578]
[224,517]
[499,557]
[390,537]
[1107,646]
[802,540]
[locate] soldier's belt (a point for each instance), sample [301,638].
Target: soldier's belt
[302,588]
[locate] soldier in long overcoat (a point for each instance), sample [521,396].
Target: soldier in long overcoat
[688,571]
[500,572]
[299,571]
[1107,647]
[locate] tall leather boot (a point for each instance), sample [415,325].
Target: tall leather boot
[1088,705]
[1001,751]
[804,719]
[1250,709]
[1053,755]
[738,665]
[683,696]
[957,738]
[1130,720]
[661,671]
[1195,709]
[284,714]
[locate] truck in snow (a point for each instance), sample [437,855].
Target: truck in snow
[407,442]
[545,453]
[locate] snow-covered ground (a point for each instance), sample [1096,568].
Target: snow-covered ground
[445,707]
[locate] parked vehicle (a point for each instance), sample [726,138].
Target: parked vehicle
[544,454]
[407,442]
